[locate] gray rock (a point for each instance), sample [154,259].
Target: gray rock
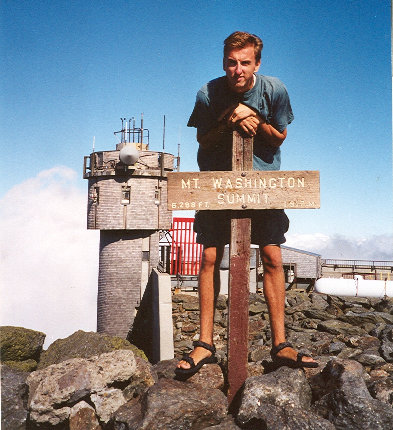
[257,308]
[20,344]
[272,417]
[340,327]
[336,347]
[283,387]
[279,400]
[173,405]
[386,349]
[55,389]
[370,358]
[227,424]
[348,403]
[13,399]
[382,390]
[83,344]
[366,318]
[318,314]
[83,417]
[319,301]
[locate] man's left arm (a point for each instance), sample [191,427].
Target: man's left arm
[251,123]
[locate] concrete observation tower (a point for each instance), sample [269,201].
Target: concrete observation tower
[127,202]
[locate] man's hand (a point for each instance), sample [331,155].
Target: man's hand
[239,113]
[243,118]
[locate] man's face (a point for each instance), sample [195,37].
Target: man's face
[240,66]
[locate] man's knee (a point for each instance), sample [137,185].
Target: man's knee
[271,258]
[211,257]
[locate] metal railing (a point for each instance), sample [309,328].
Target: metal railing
[377,264]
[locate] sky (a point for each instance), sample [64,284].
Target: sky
[71,69]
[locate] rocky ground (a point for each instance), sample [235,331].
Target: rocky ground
[91,381]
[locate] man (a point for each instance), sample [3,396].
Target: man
[257,106]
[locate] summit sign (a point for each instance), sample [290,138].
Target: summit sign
[243,190]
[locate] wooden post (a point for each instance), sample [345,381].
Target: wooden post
[239,276]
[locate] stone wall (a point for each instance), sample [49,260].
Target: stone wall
[315,323]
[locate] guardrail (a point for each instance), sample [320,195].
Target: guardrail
[376,264]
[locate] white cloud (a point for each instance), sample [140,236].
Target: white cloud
[377,247]
[49,259]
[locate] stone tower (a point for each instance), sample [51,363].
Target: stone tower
[127,201]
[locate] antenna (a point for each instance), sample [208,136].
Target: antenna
[163,136]
[141,129]
[94,142]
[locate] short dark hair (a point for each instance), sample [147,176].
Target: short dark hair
[241,39]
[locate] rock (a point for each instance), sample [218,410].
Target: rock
[190,303]
[57,388]
[258,353]
[272,417]
[370,358]
[318,314]
[339,327]
[221,302]
[107,402]
[20,344]
[382,390]
[173,405]
[83,344]
[83,417]
[347,402]
[283,387]
[363,318]
[319,301]
[210,375]
[336,347]
[227,424]
[386,337]
[23,366]
[279,400]
[257,308]
[13,399]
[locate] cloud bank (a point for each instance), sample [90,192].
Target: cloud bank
[49,261]
[378,247]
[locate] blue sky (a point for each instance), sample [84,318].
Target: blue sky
[71,69]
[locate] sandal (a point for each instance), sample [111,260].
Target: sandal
[179,371]
[294,364]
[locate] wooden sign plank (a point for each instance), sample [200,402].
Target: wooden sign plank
[239,279]
[242,189]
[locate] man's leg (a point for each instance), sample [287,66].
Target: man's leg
[274,291]
[209,287]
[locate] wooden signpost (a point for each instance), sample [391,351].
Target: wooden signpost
[239,190]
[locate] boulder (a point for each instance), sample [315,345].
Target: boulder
[13,399]
[20,344]
[173,405]
[279,400]
[347,402]
[83,344]
[83,417]
[109,378]
[282,387]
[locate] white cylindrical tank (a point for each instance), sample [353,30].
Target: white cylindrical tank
[357,287]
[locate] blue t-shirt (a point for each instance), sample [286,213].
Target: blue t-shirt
[268,97]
